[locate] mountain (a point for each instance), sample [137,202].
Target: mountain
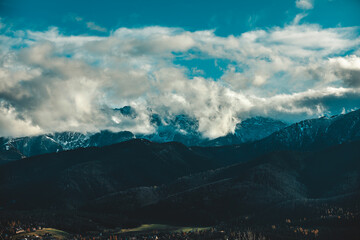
[61,141]
[274,186]
[67,179]
[105,138]
[30,146]
[8,153]
[127,111]
[253,136]
[181,128]
[307,135]
[249,130]
[315,133]
[185,130]
[143,182]
[307,173]
[69,140]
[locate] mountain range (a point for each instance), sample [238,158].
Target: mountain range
[300,172]
[306,135]
[181,129]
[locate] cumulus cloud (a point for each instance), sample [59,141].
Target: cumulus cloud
[14,125]
[347,69]
[55,82]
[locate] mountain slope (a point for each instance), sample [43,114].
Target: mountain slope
[307,135]
[276,185]
[9,153]
[316,133]
[61,141]
[180,129]
[256,135]
[144,182]
[67,179]
[249,130]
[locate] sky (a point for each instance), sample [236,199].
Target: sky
[65,65]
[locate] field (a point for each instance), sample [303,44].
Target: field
[162,227]
[58,234]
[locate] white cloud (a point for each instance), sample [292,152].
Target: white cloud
[304,4]
[95,27]
[347,69]
[56,82]
[78,19]
[89,24]
[299,17]
[12,125]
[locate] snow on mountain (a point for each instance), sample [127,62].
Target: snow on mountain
[181,128]
[249,130]
[316,133]
[307,134]
[71,140]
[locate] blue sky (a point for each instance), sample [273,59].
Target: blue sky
[227,17]
[66,64]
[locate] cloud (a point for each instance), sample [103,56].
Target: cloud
[299,17]
[313,102]
[78,19]
[55,82]
[304,4]
[347,69]
[12,125]
[89,24]
[95,27]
